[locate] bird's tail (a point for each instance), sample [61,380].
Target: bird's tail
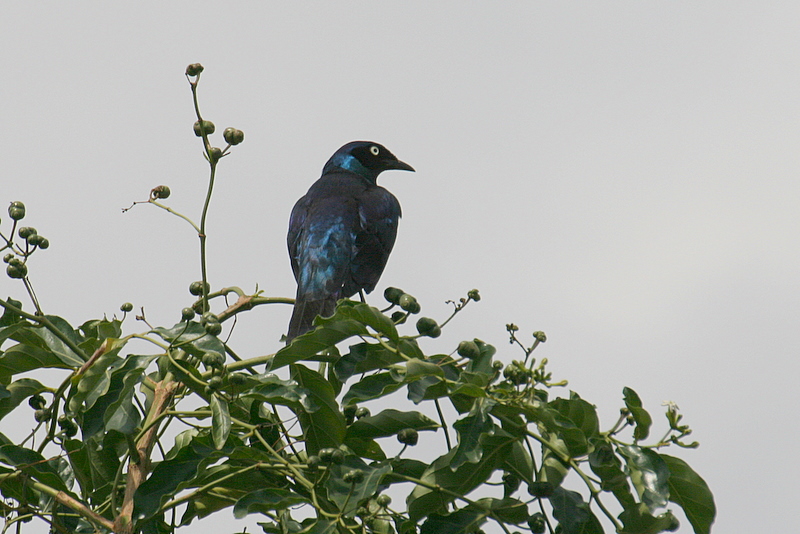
[304,313]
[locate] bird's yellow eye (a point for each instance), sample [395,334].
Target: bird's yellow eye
[375,150]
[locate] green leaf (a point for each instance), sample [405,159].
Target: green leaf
[308,345]
[325,426]
[81,464]
[405,467]
[638,520]
[416,368]
[573,515]
[640,415]
[519,462]
[388,423]
[18,391]
[100,329]
[365,448]
[274,390]
[191,337]
[266,500]
[94,382]
[553,470]
[364,314]
[470,429]
[104,452]
[459,522]
[220,421]
[348,496]
[165,481]
[34,465]
[365,357]
[508,510]
[608,467]
[22,358]
[9,317]
[689,491]
[483,363]
[582,414]
[427,388]
[372,387]
[42,338]
[424,501]
[649,474]
[121,413]
[555,423]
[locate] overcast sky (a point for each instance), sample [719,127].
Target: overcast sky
[620,175]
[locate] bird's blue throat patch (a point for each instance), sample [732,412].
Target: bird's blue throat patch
[350,163]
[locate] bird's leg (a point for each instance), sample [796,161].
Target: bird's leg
[361,294]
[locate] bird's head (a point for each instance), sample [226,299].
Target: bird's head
[366,159]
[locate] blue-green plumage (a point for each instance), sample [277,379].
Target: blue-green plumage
[342,231]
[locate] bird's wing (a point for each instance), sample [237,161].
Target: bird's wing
[378,214]
[296,225]
[324,247]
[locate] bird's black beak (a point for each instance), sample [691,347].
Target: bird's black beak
[399,166]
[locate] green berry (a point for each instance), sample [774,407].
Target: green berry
[237,379]
[497,365]
[208,126]
[474,295]
[393,294]
[233,136]
[213,359]
[17,271]
[8,257]
[399,317]
[194,69]
[540,336]
[362,412]
[536,523]
[209,317]
[215,154]
[67,425]
[354,476]
[541,489]
[44,243]
[16,210]
[187,314]
[428,327]
[673,524]
[213,329]
[409,303]
[196,288]
[215,382]
[36,402]
[383,500]
[126,307]
[469,349]
[34,240]
[349,413]
[326,454]
[330,455]
[25,232]
[41,415]
[161,191]
[408,436]
[510,483]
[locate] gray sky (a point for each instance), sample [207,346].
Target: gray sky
[621,175]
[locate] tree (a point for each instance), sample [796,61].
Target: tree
[289,436]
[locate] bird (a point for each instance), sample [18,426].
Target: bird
[342,231]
